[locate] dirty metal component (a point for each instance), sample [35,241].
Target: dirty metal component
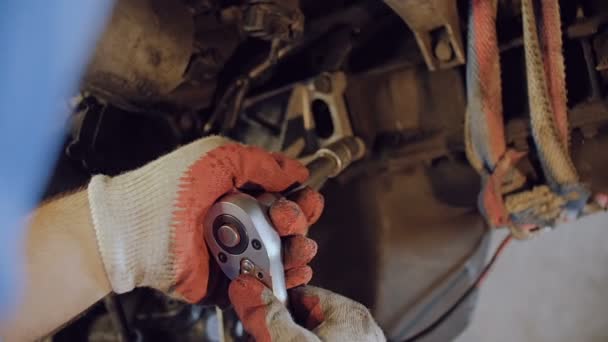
[443,50]
[343,152]
[321,104]
[300,117]
[397,230]
[330,161]
[399,153]
[436,26]
[587,26]
[270,20]
[159,56]
[583,27]
[216,37]
[585,116]
[323,83]
[230,104]
[280,24]
[600,47]
[143,53]
[297,118]
[410,127]
[201,6]
[600,44]
[405,106]
[596,91]
[102,133]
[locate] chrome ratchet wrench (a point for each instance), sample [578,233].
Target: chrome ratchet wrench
[239,232]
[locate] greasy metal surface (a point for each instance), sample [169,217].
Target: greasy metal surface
[271,20]
[591,159]
[328,88]
[581,28]
[436,26]
[216,38]
[143,53]
[389,243]
[284,119]
[404,237]
[226,111]
[407,100]
[586,117]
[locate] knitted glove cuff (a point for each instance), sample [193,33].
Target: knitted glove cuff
[132,215]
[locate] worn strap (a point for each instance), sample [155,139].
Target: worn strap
[552,52]
[484,93]
[484,128]
[543,79]
[565,197]
[491,200]
[547,100]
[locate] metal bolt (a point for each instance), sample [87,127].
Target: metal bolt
[256,244]
[443,50]
[323,84]
[228,235]
[222,257]
[247,266]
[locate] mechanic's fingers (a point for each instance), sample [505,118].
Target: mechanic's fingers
[298,276]
[261,313]
[306,307]
[298,251]
[292,167]
[311,202]
[250,298]
[343,319]
[288,218]
[262,168]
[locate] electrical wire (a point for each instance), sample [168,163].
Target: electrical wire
[480,279]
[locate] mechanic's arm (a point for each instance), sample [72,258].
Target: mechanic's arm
[144,228]
[64,273]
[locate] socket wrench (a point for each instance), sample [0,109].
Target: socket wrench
[239,232]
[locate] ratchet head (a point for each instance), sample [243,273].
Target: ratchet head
[239,232]
[241,238]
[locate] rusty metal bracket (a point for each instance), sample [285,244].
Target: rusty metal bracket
[436,26]
[270,20]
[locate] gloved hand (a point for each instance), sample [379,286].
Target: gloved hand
[323,315]
[148,222]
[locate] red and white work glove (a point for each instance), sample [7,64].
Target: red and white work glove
[148,221]
[322,315]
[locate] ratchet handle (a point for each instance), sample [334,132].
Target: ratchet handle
[240,235]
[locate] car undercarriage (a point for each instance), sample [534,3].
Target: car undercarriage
[401,233]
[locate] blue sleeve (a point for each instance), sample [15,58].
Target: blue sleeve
[44,47]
